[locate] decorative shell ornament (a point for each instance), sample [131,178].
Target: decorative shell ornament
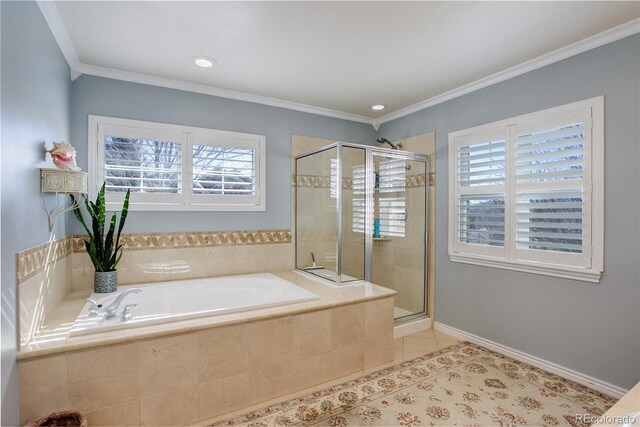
[64,156]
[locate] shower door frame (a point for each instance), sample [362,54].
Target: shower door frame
[399,155]
[369,212]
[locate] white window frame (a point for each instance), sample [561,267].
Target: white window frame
[187,136]
[593,206]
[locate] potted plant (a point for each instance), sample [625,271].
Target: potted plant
[105,253]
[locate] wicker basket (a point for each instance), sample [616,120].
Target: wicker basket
[63,418]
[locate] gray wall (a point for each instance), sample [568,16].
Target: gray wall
[107,97]
[35,109]
[591,328]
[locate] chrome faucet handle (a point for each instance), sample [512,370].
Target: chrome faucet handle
[94,308]
[111,309]
[126,313]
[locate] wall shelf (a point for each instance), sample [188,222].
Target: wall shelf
[61,183]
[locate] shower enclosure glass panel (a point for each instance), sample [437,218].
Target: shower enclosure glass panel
[352,214]
[317,213]
[361,216]
[399,238]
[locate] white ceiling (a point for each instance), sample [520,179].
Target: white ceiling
[343,56]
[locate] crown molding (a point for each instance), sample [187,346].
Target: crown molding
[60,34]
[54,20]
[112,73]
[597,40]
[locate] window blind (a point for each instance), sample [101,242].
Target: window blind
[550,155]
[176,168]
[392,198]
[549,203]
[359,208]
[526,193]
[223,170]
[480,201]
[391,205]
[144,166]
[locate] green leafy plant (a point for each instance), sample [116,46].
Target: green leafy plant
[105,253]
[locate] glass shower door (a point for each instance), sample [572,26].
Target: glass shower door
[317,214]
[398,258]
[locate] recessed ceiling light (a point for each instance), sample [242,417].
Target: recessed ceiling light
[204,61]
[377,107]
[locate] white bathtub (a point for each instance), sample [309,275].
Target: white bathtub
[186,299]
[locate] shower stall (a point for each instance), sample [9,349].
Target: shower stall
[361,216]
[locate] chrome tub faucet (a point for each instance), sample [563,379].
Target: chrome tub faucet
[111,309]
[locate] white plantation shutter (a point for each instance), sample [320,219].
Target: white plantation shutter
[392,197]
[550,193]
[142,165]
[359,213]
[147,162]
[224,170]
[480,165]
[172,167]
[526,193]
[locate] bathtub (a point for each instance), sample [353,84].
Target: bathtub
[187,299]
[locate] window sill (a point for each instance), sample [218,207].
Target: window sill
[526,267]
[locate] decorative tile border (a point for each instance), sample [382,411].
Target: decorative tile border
[34,261]
[184,240]
[316,181]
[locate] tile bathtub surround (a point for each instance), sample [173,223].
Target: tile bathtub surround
[35,260]
[162,257]
[47,272]
[186,377]
[186,240]
[42,273]
[40,295]
[149,266]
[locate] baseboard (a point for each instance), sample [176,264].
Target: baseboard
[411,327]
[594,383]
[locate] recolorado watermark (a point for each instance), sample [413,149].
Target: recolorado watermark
[589,419]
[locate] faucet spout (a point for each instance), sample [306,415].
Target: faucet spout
[111,309]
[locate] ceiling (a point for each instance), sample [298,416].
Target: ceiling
[342,56]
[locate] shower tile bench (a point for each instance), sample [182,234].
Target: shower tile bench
[192,370]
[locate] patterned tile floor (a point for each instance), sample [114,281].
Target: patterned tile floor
[405,348]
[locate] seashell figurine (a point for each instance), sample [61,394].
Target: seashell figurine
[64,156]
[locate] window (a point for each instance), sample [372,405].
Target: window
[391,201]
[390,198]
[171,167]
[359,202]
[526,193]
